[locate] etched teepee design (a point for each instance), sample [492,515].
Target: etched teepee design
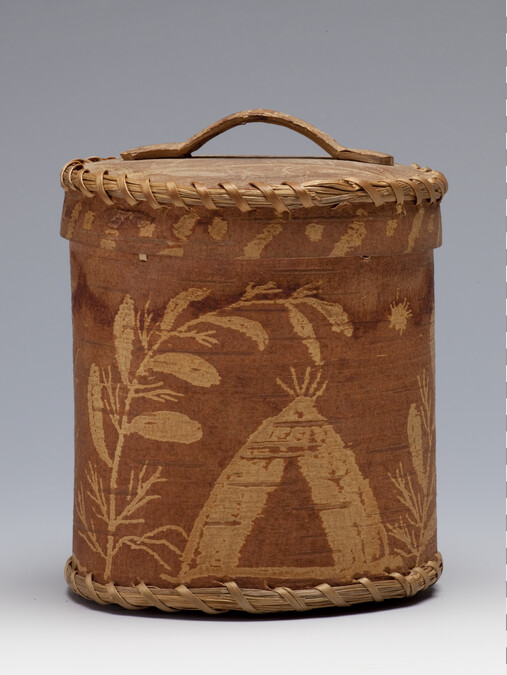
[343,499]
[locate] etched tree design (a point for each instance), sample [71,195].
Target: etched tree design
[144,348]
[417,527]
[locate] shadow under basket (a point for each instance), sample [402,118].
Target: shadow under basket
[254,376]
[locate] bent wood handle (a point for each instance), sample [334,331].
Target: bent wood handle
[327,143]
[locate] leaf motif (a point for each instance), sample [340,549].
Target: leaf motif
[95,408]
[252,329]
[255,247]
[431,529]
[218,228]
[188,367]
[184,227]
[414,432]
[166,426]
[304,329]
[415,229]
[123,331]
[334,313]
[252,290]
[350,240]
[308,289]
[177,304]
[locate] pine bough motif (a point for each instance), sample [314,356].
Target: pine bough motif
[417,490]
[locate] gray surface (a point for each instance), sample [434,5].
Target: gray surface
[423,81]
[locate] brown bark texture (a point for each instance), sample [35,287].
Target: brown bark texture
[254,392]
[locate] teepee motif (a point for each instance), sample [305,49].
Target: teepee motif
[343,499]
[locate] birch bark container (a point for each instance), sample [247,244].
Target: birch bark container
[254,376]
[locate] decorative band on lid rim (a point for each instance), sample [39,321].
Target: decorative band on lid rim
[287,196]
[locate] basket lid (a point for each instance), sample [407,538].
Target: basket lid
[167,174]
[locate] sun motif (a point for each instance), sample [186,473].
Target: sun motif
[399,315]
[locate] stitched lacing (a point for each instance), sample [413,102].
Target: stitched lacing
[280,598]
[76,176]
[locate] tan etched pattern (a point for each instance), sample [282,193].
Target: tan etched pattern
[349,232]
[399,315]
[172,250]
[88,219]
[184,227]
[255,247]
[350,240]
[416,491]
[342,496]
[314,231]
[108,399]
[145,350]
[108,244]
[146,228]
[391,226]
[71,225]
[218,228]
[416,229]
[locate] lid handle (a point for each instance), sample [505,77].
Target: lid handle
[166,150]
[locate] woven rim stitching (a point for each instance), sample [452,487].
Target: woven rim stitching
[282,198]
[229,596]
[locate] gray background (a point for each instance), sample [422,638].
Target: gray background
[421,80]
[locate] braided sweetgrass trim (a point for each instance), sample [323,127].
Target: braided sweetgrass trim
[282,198]
[229,596]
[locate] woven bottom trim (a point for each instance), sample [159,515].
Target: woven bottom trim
[255,601]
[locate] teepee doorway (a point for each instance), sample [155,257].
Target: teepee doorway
[348,515]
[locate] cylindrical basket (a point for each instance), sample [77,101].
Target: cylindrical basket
[254,376]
